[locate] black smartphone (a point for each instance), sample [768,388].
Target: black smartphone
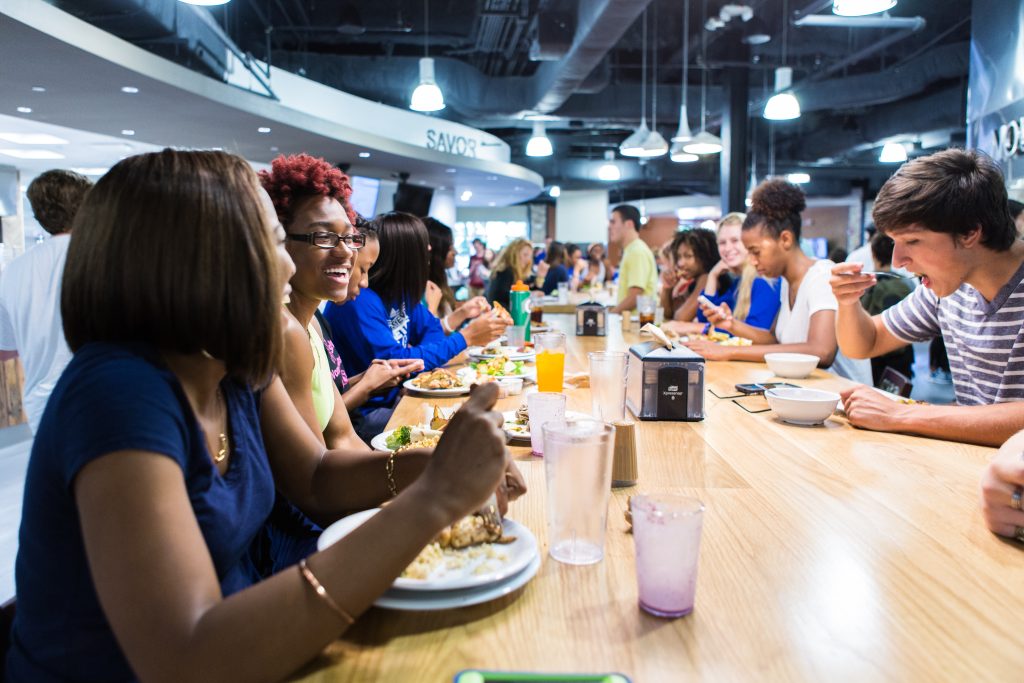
[761,388]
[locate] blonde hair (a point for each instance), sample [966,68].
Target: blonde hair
[748,275]
[508,258]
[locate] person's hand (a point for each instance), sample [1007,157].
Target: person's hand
[405,366]
[474,307]
[669,278]
[378,376]
[433,297]
[719,316]
[717,270]
[709,350]
[510,488]
[485,329]
[470,460]
[542,269]
[848,282]
[1003,476]
[682,327]
[868,409]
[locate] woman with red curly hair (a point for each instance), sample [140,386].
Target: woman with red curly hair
[311,198]
[807,319]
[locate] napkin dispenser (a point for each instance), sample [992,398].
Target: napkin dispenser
[591,320]
[665,384]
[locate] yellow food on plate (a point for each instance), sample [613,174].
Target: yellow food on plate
[438,379]
[465,541]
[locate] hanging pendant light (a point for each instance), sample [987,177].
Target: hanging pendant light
[539,144]
[427,96]
[683,133]
[633,146]
[893,153]
[609,170]
[703,142]
[655,144]
[782,106]
[860,8]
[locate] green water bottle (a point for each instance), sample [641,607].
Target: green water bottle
[519,305]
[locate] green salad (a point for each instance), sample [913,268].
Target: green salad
[400,437]
[499,366]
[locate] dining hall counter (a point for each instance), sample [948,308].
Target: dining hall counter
[828,553]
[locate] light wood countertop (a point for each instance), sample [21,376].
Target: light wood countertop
[828,553]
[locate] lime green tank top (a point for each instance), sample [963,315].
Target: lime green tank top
[323,384]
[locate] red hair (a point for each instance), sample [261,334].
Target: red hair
[294,178]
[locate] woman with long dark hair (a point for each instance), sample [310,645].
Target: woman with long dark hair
[557,271]
[390,320]
[447,308]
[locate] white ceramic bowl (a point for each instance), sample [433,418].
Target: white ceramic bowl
[802,406]
[791,365]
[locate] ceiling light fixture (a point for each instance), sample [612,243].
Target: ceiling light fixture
[755,32]
[32,153]
[539,144]
[129,89]
[206,3]
[634,145]
[24,110]
[609,170]
[38,88]
[128,131]
[427,96]
[91,170]
[555,192]
[893,153]
[33,139]
[683,133]
[677,154]
[263,129]
[655,145]
[466,195]
[364,155]
[860,8]
[783,106]
[798,178]
[703,142]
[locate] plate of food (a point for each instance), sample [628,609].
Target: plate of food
[500,366]
[467,554]
[439,382]
[715,336]
[517,422]
[405,437]
[536,328]
[524,352]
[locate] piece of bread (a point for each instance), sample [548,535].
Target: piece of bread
[501,313]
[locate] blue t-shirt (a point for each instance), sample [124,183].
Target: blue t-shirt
[365,328]
[764,302]
[115,397]
[555,275]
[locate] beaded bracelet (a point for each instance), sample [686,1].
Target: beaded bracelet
[389,469]
[322,593]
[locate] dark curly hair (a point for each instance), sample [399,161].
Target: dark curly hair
[294,178]
[55,197]
[775,206]
[703,243]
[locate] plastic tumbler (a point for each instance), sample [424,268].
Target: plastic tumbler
[608,385]
[578,469]
[515,335]
[666,531]
[550,360]
[563,292]
[543,407]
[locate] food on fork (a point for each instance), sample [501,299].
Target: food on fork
[438,379]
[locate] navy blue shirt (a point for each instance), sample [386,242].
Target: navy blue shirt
[113,398]
[365,328]
[555,275]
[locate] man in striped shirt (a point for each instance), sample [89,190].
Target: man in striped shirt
[949,219]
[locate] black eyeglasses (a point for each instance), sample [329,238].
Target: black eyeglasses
[329,240]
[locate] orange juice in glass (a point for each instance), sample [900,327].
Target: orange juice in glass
[550,348]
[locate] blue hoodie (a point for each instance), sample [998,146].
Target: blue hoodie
[366,328]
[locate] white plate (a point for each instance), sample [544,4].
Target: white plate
[413,601]
[379,442]
[539,328]
[456,391]
[488,352]
[522,432]
[518,555]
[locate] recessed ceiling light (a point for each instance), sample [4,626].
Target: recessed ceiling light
[449,170]
[38,88]
[492,177]
[25,110]
[206,3]
[128,131]
[218,149]
[274,149]
[32,153]
[130,89]
[466,195]
[490,204]
[262,129]
[91,170]
[364,155]
[33,139]
[798,178]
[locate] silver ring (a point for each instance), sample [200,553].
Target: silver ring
[1015,499]
[1018,533]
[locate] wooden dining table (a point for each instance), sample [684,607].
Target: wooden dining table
[829,553]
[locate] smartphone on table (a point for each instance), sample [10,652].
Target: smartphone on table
[760,388]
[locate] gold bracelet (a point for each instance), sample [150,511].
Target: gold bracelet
[389,468]
[322,593]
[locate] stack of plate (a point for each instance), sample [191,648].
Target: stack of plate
[448,588]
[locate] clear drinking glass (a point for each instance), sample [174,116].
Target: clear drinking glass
[563,292]
[578,469]
[543,407]
[608,385]
[515,335]
[645,309]
[666,532]
[550,360]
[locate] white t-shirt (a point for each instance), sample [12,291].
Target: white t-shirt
[794,324]
[30,320]
[862,255]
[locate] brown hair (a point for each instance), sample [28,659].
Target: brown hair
[172,249]
[55,197]
[953,191]
[775,206]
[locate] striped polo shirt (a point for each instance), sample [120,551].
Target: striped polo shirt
[984,339]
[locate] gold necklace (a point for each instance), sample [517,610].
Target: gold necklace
[224,450]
